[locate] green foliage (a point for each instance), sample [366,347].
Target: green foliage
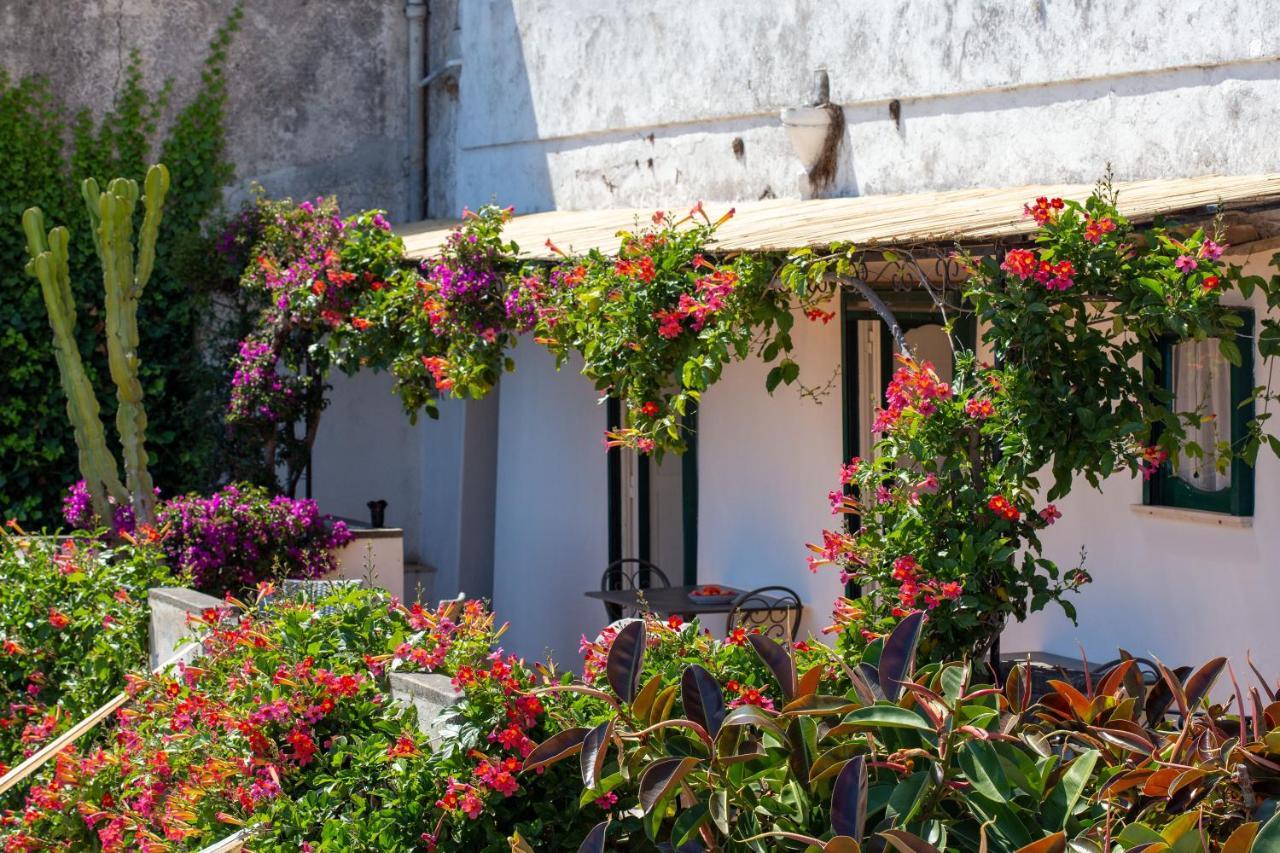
[946,511]
[863,753]
[73,623]
[38,167]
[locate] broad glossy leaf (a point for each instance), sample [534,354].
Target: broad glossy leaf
[904,842]
[899,654]
[660,777]
[1268,838]
[1056,843]
[626,657]
[685,828]
[809,682]
[1240,840]
[817,705]
[1017,687]
[889,717]
[779,661]
[595,749]
[703,702]
[831,761]
[982,767]
[842,844]
[1200,682]
[662,704]
[751,715]
[802,747]
[556,748]
[849,799]
[594,842]
[1066,794]
[643,704]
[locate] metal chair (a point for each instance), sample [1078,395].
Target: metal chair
[630,573]
[774,610]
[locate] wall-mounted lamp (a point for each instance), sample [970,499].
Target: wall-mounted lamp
[814,131]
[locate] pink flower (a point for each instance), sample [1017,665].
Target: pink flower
[951,590]
[1050,514]
[607,801]
[1211,250]
[1185,263]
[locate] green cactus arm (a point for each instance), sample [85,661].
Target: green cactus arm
[115,232]
[90,192]
[155,188]
[48,265]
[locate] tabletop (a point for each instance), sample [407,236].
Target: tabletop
[675,599]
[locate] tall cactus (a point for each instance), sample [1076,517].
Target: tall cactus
[123,278]
[48,265]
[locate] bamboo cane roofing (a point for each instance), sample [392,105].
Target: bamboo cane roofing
[973,215]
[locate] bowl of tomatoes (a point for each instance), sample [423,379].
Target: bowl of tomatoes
[711,593]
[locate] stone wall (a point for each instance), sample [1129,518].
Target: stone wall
[317,90]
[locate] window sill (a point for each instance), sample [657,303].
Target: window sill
[1196,516]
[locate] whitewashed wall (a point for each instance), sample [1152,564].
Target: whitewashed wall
[765,465]
[551,521]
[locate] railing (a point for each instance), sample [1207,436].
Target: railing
[41,757]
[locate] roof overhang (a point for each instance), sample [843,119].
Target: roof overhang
[956,216]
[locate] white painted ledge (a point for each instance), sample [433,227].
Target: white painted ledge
[1194,516]
[430,694]
[170,607]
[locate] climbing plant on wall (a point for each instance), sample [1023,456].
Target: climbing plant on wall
[44,154]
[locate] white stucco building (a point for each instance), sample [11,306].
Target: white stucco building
[580,104]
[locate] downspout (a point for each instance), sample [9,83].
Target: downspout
[416,13]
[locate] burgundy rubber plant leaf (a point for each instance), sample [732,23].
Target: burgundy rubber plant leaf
[779,661]
[626,660]
[595,749]
[660,777]
[899,654]
[703,702]
[594,842]
[555,748]
[849,799]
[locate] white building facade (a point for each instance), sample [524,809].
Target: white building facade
[578,104]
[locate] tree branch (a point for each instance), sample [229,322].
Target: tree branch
[877,305]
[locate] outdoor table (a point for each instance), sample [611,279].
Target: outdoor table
[671,600]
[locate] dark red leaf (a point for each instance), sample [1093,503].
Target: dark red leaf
[849,799]
[702,699]
[899,654]
[904,842]
[555,748]
[626,658]
[595,749]
[1200,682]
[779,661]
[594,842]
[660,777]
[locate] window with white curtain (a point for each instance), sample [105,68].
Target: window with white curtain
[1215,392]
[1202,387]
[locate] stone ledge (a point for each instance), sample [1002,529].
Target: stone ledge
[170,606]
[429,693]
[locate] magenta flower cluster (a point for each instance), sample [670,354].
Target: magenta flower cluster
[258,390]
[235,538]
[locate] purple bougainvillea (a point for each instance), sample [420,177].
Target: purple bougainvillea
[235,538]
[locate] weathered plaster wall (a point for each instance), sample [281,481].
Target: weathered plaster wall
[574,104]
[316,89]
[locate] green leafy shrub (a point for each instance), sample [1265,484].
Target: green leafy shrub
[861,752]
[37,456]
[73,623]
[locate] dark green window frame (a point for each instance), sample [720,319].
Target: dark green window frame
[965,331]
[688,489]
[1165,488]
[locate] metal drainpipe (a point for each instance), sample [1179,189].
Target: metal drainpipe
[416,13]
